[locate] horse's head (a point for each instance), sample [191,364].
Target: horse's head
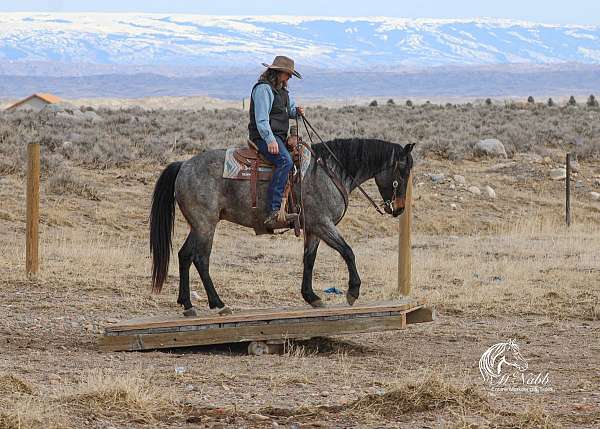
[393,180]
[512,356]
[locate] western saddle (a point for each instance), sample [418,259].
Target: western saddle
[261,169]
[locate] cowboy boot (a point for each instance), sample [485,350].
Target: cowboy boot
[272,221]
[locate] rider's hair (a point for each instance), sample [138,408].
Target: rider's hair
[270,75]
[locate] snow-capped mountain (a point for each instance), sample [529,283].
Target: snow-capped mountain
[323,42]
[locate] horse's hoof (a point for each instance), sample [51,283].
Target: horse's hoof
[224,311]
[317,304]
[190,312]
[351,299]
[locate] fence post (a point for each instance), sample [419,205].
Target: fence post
[568,192]
[404,243]
[33,208]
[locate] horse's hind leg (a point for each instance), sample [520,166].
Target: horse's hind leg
[186,254]
[202,263]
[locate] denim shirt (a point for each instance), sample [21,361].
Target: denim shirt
[263,100]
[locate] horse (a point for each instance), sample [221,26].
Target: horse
[492,360]
[205,197]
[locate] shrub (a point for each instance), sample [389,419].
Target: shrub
[550,102]
[409,103]
[488,101]
[530,100]
[390,102]
[572,101]
[373,103]
[592,102]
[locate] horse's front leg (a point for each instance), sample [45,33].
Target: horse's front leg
[311,246]
[334,239]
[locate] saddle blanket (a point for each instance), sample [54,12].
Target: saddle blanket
[233,169]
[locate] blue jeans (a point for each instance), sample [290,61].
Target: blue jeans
[283,164]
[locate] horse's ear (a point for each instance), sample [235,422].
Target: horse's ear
[408,148]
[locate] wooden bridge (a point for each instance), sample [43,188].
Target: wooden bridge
[263,326]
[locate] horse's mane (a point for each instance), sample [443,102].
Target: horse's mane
[367,155]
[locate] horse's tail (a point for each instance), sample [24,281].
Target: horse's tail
[162,220]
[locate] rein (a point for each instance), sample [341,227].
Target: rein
[330,173]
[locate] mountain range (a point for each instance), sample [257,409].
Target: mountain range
[90,49]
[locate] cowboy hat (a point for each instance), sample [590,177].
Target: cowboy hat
[284,64]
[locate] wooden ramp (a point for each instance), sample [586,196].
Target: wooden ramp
[262,325]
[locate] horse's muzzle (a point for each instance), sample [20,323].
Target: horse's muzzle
[397,207]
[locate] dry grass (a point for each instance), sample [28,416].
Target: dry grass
[122,397]
[10,384]
[31,413]
[427,392]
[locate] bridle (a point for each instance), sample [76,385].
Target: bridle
[395,201]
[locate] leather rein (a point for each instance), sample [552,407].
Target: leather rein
[335,179]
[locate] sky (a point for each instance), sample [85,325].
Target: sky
[546,11]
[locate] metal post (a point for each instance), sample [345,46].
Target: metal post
[568,192]
[33,208]
[404,243]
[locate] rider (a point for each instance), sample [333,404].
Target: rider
[271,108]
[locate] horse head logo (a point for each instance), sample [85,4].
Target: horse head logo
[498,356]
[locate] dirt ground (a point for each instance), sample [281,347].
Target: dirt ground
[495,269]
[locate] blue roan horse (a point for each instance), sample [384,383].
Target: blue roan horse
[205,198]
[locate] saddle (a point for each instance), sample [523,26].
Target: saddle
[258,168]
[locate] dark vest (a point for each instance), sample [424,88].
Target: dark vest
[279,118]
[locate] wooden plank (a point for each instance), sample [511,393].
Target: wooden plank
[420,315]
[251,333]
[260,315]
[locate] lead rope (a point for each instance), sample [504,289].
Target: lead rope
[301,205]
[306,122]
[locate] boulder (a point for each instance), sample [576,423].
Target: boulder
[558,174]
[459,179]
[490,147]
[474,190]
[490,192]
[595,196]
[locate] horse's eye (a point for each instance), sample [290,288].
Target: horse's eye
[395,183]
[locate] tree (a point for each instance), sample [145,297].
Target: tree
[592,102]
[550,102]
[373,103]
[572,101]
[488,101]
[390,102]
[530,99]
[409,103]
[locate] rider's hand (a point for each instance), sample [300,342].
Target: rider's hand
[273,147]
[299,111]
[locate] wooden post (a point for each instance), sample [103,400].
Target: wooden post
[33,208]
[568,192]
[404,245]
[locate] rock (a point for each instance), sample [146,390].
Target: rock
[67,145]
[259,417]
[595,196]
[459,179]
[490,192]
[195,295]
[453,206]
[547,160]
[558,174]
[474,190]
[325,394]
[596,182]
[579,184]
[574,166]
[437,177]
[452,186]
[490,147]
[54,378]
